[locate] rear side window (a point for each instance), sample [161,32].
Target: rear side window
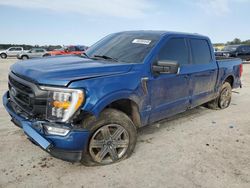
[245,49]
[174,50]
[18,49]
[200,51]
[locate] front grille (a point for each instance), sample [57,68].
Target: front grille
[20,86]
[27,96]
[21,94]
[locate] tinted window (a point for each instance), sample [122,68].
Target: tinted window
[18,49]
[200,51]
[127,47]
[39,50]
[71,48]
[245,49]
[248,49]
[175,50]
[12,49]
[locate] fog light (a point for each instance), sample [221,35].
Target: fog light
[56,130]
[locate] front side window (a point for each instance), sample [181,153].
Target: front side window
[126,47]
[174,50]
[39,50]
[12,49]
[200,51]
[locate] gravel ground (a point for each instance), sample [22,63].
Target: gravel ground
[198,148]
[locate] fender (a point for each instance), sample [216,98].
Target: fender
[112,97]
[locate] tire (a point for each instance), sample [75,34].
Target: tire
[3,55]
[24,57]
[46,55]
[223,100]
[112,138]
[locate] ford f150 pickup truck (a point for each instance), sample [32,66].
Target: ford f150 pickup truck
[11,52]
[89,108]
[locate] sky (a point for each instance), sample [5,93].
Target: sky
[84,22]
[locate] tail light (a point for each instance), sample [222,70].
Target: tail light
[241,70]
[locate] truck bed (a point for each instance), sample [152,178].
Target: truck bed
[229,66]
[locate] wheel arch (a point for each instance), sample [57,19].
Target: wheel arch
[230,80]
[129,104]
[25,56]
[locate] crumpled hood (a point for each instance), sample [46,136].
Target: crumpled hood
[64,69]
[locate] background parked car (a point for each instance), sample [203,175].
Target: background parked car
[11,52]
[33,53]
[69,50]
[240,51]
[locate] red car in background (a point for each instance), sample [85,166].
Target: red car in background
[69,50]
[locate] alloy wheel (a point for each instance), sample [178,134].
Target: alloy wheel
[225,98]
[109,144]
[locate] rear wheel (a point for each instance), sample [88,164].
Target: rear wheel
[3,56]
[113,138]
[224,99]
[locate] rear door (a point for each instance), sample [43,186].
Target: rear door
[41,52]
[203,71]
[38,53]
[17,51]
[169,93]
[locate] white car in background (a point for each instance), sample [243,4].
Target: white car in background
[33,53]
[11,52]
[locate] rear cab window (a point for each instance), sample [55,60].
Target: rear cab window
[201,53]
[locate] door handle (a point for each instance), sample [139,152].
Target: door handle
[144,84]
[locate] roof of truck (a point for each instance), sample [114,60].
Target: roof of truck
[159,32]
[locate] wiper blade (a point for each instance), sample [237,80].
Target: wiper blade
[106,57]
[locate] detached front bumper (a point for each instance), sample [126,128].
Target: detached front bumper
[69,147]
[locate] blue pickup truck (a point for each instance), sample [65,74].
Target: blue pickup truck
[89,108]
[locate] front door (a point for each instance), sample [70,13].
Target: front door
[170,93]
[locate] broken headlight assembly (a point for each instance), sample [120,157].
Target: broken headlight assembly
[62,103]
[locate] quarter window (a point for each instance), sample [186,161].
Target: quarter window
[200,51]
[175,50]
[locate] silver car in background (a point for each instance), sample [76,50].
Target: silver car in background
[33,53]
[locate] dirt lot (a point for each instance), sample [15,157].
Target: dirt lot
[199,148]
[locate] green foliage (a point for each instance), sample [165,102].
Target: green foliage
[238,41]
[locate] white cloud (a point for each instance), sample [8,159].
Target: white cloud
[117,8]
[218,7]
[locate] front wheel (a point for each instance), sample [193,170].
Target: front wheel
[113,138]
[3,56]
[224,99]
[24,57]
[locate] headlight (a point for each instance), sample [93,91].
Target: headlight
[62,103]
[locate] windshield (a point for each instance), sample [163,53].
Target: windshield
[125,47]
[230,48]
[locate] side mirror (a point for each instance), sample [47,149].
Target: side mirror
[166,67]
